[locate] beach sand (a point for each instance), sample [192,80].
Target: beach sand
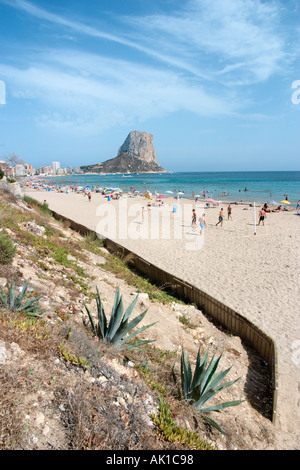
[255,274]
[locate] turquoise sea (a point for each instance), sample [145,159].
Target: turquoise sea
[254,186]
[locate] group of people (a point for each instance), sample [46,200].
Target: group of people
[201,220]
[262,215]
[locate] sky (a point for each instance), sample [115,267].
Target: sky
[217,83]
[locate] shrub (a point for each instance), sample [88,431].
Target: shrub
[171,432]
[115,331]
[14,303]
[7,248]
[204,385]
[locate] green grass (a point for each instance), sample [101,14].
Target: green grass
[41,207]
[119,267]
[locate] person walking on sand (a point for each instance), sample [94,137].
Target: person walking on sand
[221,216]
[202,223]
[89,196]
[194,218]
[262,216]
[229,212]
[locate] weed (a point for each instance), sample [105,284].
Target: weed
[7,248]
[171,432]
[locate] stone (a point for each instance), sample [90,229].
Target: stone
[40,418]
[136,155]
[139,145]
[38,230]
[13,188]
[3,353]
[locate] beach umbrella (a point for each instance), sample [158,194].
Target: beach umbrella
[285,202]
[197,195]
[169,192]
[273,203]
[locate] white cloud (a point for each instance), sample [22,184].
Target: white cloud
[224,36]
[203,46]
[90,92]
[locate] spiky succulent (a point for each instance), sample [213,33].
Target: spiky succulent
[116,329]
[13,302]
[201,387]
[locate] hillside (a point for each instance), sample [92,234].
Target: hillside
[72,391]
[123,164]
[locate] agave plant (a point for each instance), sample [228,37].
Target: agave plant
[14,303]
[116,329]
[199,388]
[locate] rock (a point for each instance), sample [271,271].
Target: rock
[136,155]
[3,353]
[40,418]
[139,145]
[13,188]
[38,230]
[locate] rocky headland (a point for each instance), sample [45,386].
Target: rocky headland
[136,155]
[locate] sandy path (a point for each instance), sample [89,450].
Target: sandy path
[256,275]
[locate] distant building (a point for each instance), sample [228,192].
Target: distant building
[45,170]
[56,166]
[28,169]
[4,167]
[61,171]
[77,170]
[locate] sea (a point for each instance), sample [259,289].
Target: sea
[251,186]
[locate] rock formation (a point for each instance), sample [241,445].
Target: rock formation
[136,155]
[139,145]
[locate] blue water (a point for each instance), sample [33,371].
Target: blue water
[261,186]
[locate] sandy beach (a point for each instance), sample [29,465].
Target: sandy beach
[252,269]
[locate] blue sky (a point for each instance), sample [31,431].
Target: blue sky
[211,80]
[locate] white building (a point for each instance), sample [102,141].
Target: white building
[56,166]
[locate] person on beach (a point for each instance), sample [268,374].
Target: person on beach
[298,207]
[89,196]
[229,212]
[221,216]
[202,222]
[194,218]
[262,216]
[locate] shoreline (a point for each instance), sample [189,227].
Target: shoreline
[257,276]
[220,188]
